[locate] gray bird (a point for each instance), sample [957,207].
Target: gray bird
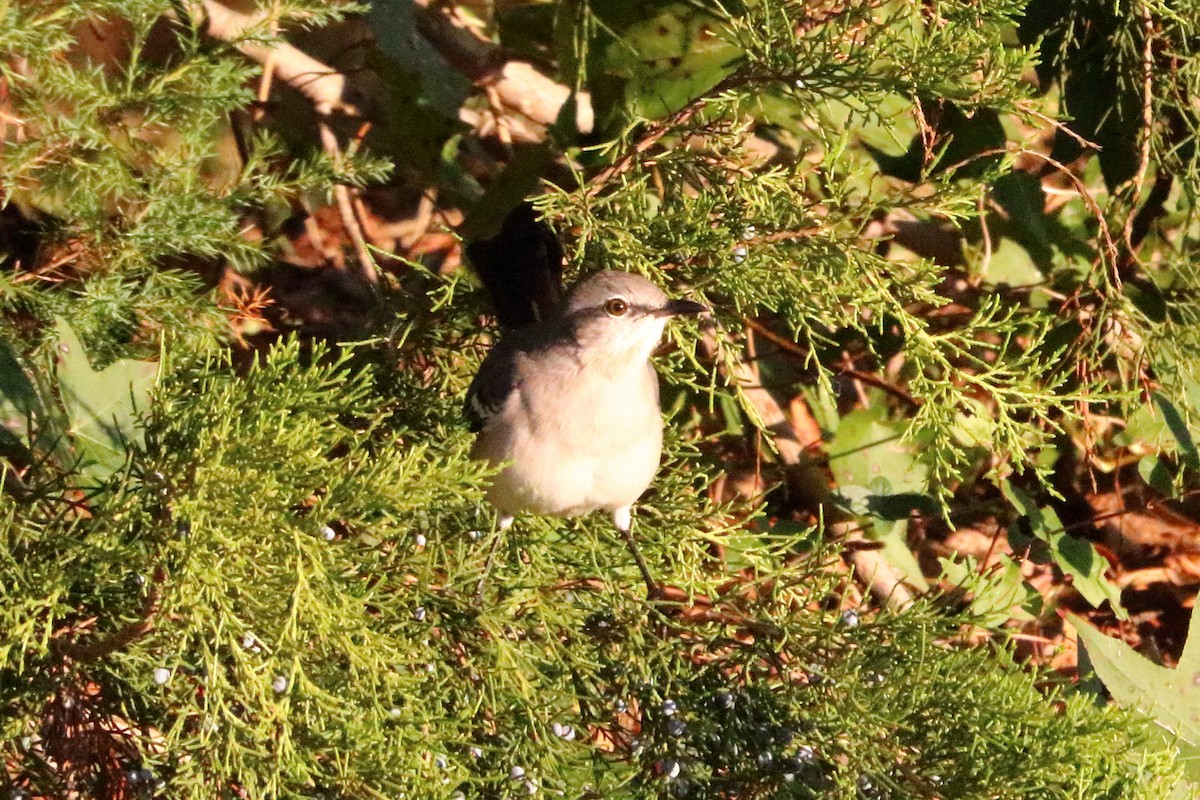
[570,404]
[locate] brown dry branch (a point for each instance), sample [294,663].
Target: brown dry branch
[323,85]
[656,132]
[66,645]
[343,196]
[515,86]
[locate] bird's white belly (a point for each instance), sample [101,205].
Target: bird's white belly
[597,452]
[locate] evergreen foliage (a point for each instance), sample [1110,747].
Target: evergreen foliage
[262,576]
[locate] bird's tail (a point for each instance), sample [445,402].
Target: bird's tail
[521,268]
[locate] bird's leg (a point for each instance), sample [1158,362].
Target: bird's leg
[623,519]
[504,523]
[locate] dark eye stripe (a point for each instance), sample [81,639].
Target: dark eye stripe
[633,310]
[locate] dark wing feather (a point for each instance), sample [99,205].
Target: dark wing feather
[495,382]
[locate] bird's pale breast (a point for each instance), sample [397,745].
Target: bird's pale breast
[596,442]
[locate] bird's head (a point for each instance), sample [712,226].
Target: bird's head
[620,316]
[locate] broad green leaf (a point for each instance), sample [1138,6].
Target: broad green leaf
[1178,429]
[887,131]
[974,425]
[878,476]
[670,59]
[1011,265]
[893,535]
[868,450]
[1171,697]
[16,390]
[1021,196]
[1156,474]
[1074,556]
[102,405]
[1163,426]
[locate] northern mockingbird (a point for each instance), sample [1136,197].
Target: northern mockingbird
[569,404]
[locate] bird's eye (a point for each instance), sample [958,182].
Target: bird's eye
[616,307]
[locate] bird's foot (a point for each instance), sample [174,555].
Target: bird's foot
[623,519]
[504,523]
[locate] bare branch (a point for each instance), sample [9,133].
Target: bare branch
[75,650]
[516,85]
[320,83]
[342,194]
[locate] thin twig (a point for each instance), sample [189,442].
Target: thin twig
[658,131]
[268,73]
[1059,126]
[1139,179]
[984,230]
[91,651]
[865,377]
[345,204]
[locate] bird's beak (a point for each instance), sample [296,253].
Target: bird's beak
[682,308]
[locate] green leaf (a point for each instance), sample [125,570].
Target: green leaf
[1178,428]
[887,131]
[1074,556]
[16,391]
[102,405]
[974,425]
[1161,425]
[868,450]
[670,59]
[996,596]
[1011,265]
[878,476]
[1155,473]
[1171,697]
[893,535]
[1023,201]
[19,402]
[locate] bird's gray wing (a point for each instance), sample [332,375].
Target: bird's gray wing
[497,379]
